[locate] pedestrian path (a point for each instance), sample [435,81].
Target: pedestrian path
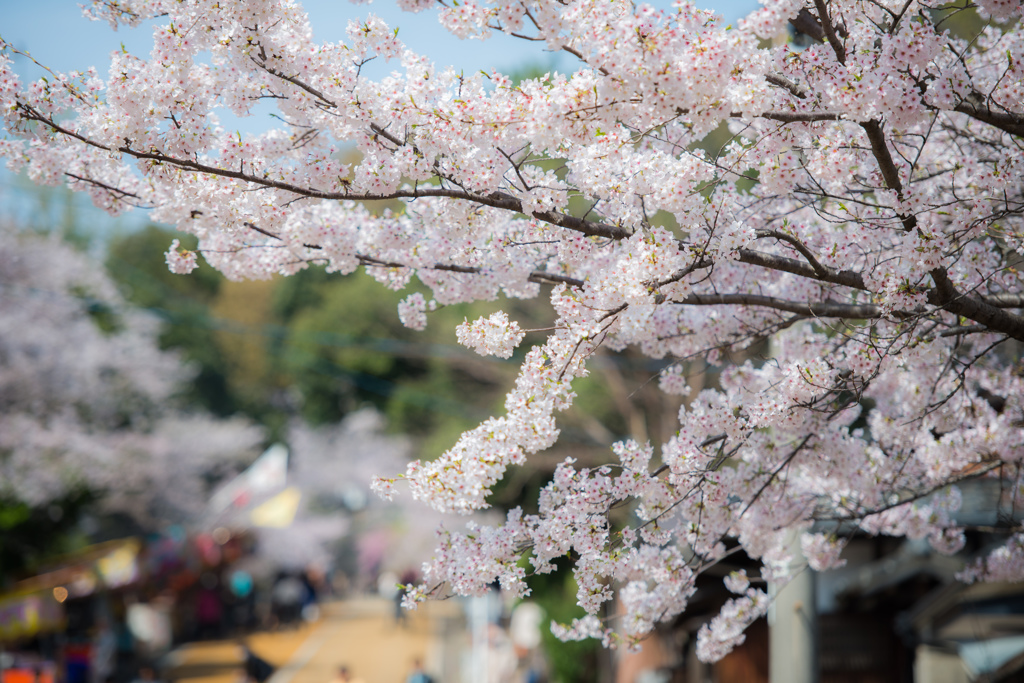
[361,634]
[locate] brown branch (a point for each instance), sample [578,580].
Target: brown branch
[1004,300]
[497,200]
[783,465]
[967,329]
[819,269]
[32,115]
[829,31]
[807,23]
[452,268]
[540,277]
[296,82]
[253,226]
[974,471]
[783,82]
[699,264]
[798,116]
[846,278]
[890,174]
[986,310]
[973,308]
[104,186]
[816,309]
[1006,121]
[781,116]
[883,157]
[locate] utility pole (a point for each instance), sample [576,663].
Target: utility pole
[793,624]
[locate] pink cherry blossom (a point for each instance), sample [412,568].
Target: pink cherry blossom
[834,291]
[495,335]
[87,408]
[180,260]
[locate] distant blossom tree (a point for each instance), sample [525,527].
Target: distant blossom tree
[86,395]
[334,466]
[867,218]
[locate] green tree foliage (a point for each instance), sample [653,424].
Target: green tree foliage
[31,535]
[314,345]
[135,261]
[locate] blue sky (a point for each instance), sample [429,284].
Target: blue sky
[57,35]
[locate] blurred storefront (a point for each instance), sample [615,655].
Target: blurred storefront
[48,622]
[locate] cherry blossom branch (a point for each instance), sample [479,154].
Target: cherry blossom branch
[1006,121]
[819,270]
[775,473]
[829,31]
[118,192]
[846,278]
[996,319]
[808,308]
[974,473]
[497,200]
[915,220]
[538,276]
[945,295]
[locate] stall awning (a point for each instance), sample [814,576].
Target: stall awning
[33,606]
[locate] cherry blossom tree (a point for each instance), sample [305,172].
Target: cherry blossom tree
[865,219]
[86,395]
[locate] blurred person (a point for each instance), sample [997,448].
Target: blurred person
[209,608]
[103,656]
[418,675]
[345,676]
[316,576]
[287,597]
[150,625]
[127,648]
[76,654]
[146,674]
[242,587]
[256,669]
[310,601]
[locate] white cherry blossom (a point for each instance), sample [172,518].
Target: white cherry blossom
[865,218]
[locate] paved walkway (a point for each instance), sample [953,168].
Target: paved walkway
[360,634]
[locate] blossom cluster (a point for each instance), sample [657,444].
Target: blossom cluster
[844,264]
[495,335]
[86,408]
